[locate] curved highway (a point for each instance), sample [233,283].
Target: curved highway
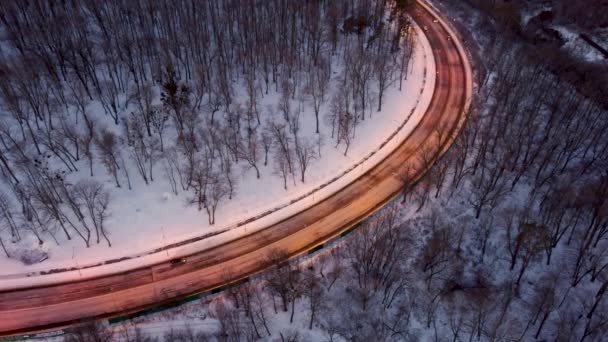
[51,307]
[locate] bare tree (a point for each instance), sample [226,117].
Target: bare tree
[543,302]
[246,295]
[524,239]
[481,304]
[230,322]
[407,178]
[359,75]
[259,303]
[313,291]
[200,180]
[136,139]
[91,331]
[2,228]
[96,200]
[175,98]
[86,141]
[284,105]
[158,121]
[249,151]
[107,144]
[336,270]
[283,280]
[282,143]
[227,168]
[7,216]
[266,140]
[318,82]
[489,187]
[216,191]
[172,166]
[346,129]
[597,319]
[383,67]
[305,153]
[405,55]
[534,239]
[436,256]
[109,98]
[374,257]
[143,95]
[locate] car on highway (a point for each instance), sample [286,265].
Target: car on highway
[178,261]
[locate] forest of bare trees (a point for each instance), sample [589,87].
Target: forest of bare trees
[161,90]
[505,239]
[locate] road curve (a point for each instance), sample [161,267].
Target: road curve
[52,307]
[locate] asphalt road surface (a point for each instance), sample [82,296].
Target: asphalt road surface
[51,307]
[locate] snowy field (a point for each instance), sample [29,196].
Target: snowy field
[577,46]
[150,217]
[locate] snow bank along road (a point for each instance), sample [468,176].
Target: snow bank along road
[50,307]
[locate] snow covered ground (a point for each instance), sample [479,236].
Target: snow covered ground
[456,211]
[571,35]
[577,46]
[150,217]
